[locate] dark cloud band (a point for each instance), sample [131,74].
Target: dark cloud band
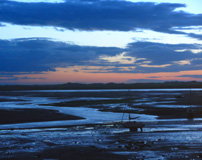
[38,54]
[32,55]
[116,15]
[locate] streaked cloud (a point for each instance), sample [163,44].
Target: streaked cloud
[99,15]
[192,76]
[121,59]
[184,62]
[192,50]
[155,66]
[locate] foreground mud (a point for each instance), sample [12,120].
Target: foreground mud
[100,142]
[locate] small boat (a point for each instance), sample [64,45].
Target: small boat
[133,126]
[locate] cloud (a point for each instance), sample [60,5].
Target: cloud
[155,77]
[159,53]
[14,78]
[148,57]
[192,50]
[30,78]
[190,31]
[121,59]
[191,76]
[38,54]
[116,15]
[2,25]
[164,57]
[197,36]
[9,79]
[106,69]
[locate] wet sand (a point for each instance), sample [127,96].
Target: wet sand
[170,136]
[181,101]
[32,115]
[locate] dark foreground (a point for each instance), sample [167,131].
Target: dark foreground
[170,136]
[100,142]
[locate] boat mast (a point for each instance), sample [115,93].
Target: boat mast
[129,104]
[190,98]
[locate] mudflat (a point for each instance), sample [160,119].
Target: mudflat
[171,135]
[32,115]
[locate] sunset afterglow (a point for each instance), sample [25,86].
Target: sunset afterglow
[60,41]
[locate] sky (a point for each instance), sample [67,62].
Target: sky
[100,41]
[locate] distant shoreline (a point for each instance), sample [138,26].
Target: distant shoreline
[79,86]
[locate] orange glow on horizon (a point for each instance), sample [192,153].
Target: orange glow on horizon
[65,75]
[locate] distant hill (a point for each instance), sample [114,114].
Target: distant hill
[68,86]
